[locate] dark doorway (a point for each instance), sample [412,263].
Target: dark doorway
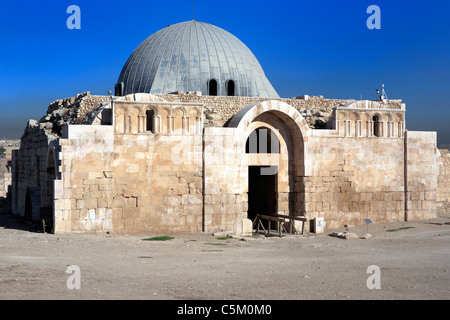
[376,126]
[261,192]
[32,203]
[28,206]
[150,114]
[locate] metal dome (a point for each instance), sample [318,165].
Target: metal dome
[194,56]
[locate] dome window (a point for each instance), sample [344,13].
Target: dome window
[212,87]
[230,88]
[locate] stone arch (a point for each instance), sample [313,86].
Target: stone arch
[119,119]
[135,121]
[292,132]
[179,117]
[400,120]
[182,109]
[165,108]
[388,116]
[377,127]
[194,120]
[198,113]
[245,116]
[342,116]
[163,119]
[390,132]
[366,120]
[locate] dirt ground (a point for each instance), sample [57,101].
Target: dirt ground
[414,263]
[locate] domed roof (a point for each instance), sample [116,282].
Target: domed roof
[195,56]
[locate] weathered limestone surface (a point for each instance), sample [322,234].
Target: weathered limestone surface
[350,179]
[5,183]
[219,109]
[71,110]
[422,175]
[30,164]
[443,191]
[179,163]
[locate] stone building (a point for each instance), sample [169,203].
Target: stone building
[197,139]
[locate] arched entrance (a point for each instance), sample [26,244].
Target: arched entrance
[276,167]
[262,145]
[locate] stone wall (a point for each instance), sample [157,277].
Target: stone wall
[5,179]
[351,179]
[83,194]
[30,162]
[422,173]
[126,179]
[225,179]
[159,167]
[443,192]
[72,110]
[219,109]
[5,184]
[29,165]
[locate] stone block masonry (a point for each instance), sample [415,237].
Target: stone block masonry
[443,190]
[179,163]
[219,109]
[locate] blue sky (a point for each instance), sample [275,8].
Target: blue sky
[310,47]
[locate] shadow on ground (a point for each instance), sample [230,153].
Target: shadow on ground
[9,221]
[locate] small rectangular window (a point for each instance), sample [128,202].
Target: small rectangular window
[150,115]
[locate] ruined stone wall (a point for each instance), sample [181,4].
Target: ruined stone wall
[133,177]
[5,182]
[443,192]
[71,110]
[29,165]
[219,109]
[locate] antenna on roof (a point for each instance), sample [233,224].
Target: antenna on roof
[193,2]
[382,94]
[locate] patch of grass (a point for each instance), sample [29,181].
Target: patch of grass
[402,228]
[145,257]
[216,244]
[161,238]
[224,238]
